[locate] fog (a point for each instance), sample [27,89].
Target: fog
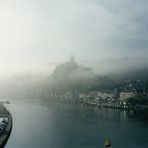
[37,36]
[72,75]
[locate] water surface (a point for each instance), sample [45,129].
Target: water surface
[72,126]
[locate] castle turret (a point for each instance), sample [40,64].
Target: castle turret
[72,59]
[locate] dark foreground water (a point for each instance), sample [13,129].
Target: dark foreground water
[73,126]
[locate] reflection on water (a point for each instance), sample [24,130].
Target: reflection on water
[72,126]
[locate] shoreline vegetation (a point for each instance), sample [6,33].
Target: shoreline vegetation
[6,125]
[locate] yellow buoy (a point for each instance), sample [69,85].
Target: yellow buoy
[107,143]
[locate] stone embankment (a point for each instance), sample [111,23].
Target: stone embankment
[5,125]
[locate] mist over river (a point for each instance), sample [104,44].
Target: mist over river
[60,125]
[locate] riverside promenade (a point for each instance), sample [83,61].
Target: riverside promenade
[6,133]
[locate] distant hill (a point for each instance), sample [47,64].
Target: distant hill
[133,74]
[22,86]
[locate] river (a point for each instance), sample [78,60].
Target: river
[71,126]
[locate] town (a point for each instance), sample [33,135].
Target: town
[128,96]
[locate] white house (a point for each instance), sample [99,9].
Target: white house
[124,96]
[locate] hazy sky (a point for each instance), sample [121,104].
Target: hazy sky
[36,32]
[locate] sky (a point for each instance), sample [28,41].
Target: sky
[36,35]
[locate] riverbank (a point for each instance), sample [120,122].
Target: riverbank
[141,112]
[4,113]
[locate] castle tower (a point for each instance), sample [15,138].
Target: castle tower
[72,59]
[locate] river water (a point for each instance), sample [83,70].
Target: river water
[72,126]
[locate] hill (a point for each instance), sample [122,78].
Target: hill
[71,76]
